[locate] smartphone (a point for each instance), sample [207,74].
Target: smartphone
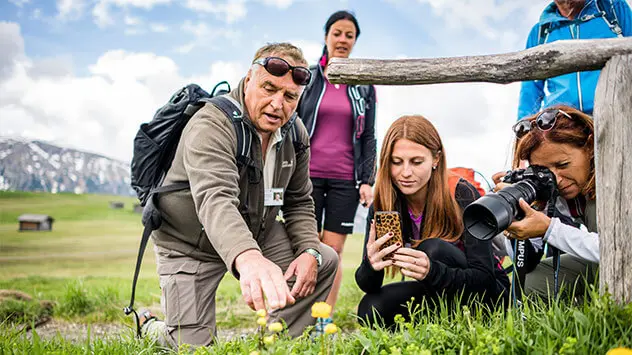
[388,221]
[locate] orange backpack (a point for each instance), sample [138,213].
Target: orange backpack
[454,174]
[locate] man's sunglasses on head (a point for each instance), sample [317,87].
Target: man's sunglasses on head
[545,121]
[279,67]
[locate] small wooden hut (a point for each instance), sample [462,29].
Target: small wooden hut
[35,222]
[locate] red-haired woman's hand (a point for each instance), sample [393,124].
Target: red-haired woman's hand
[373,252]
[413,263]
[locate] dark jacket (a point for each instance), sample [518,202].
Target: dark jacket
[482,276]
[362,98]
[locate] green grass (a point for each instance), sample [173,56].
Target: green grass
[63,206]
[85,265]
[539,328]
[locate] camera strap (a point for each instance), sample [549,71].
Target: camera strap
[521,255]
[550,212]
[520,269]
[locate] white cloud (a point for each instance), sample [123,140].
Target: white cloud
[158,28]
[133,31]
[12,46]
[205,36]
[121,91]
[36,14]
[119,65]
[19,3]
[70,9]
[229,11]
[311,50]
[101,14]
[144,4]
[185,48]
[101,11]
[132,20]
[281,4]
[483,15]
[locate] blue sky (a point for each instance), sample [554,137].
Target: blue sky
[86,73]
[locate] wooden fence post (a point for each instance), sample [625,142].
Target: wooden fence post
[613,168]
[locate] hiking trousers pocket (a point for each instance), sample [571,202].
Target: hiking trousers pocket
[180,297]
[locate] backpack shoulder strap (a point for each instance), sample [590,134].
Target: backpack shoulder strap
[299,147]
[606,7]
[232,109]
[453,180]
[543,32]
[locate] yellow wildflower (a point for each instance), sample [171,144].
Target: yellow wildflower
[619,351]
[268,340]
[254,352]
[262,321]
[275,327]
[321,310]
[261,313]
[331,328]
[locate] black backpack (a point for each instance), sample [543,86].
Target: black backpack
[155,146]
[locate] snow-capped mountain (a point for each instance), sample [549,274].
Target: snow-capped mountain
[39,166]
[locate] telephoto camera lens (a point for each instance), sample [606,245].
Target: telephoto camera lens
[494,212]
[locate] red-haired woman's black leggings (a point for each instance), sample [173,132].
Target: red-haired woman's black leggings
[381,308]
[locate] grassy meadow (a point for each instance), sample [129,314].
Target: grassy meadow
[93,249]
[85,267]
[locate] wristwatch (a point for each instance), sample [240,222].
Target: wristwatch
[313,252]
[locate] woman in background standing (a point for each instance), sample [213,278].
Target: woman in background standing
[340,120]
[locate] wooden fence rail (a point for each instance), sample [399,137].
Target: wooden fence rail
[535,63]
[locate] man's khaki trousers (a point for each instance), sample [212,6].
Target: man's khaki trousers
[189,287]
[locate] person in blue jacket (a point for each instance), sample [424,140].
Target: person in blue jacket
[572,19]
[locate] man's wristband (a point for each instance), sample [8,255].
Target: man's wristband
[313,252]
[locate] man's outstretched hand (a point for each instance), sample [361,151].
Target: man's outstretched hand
[262,280]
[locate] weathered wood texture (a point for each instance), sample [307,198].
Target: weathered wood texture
[535,63]
[613,166]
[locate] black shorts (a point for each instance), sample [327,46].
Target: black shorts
[339,200]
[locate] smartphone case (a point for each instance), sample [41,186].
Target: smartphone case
[388,221]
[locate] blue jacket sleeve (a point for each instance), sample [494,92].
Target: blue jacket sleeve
[624,15]
[531,92]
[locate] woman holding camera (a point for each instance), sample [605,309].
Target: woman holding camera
[561,139]
[436,254]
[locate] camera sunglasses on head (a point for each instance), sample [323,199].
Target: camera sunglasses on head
[279,67]
[545,121]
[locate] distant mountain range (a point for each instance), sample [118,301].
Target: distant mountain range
[39,166]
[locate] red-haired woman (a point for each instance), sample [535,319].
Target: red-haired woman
[438,256]
[561,139]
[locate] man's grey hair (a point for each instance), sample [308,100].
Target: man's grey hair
[283,49]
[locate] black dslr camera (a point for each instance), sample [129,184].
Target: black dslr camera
[494,212]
